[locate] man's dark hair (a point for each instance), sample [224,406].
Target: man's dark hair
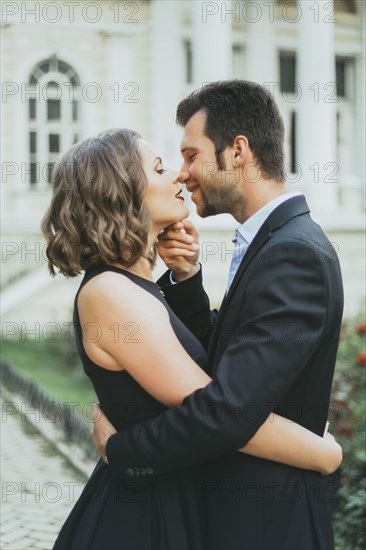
[240,107]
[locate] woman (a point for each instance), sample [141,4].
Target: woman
[111,198]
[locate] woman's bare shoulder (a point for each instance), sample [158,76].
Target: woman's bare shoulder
[114,290]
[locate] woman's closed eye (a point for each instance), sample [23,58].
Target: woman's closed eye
[159,167]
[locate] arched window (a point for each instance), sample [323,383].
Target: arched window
[53,117]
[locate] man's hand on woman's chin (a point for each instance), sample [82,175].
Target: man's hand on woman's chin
[178,247]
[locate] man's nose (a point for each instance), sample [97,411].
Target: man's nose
[184,176]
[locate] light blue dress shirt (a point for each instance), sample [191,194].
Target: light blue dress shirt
[245,234]
[241,246]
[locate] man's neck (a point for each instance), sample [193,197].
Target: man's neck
[258,197]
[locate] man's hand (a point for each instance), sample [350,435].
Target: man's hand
[102,430]
[178,247]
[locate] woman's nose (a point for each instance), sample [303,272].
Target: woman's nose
[175,176]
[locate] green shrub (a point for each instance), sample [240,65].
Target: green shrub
[349,405]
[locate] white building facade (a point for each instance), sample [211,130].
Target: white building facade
[73,69]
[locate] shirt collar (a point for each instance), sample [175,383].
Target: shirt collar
[248,230]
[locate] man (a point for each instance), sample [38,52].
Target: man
[271,347]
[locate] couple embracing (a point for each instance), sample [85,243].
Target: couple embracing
[210,423]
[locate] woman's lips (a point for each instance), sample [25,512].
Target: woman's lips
[178,195]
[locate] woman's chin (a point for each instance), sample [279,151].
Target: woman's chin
[182,213]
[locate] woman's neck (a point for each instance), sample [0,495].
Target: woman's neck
[142,268]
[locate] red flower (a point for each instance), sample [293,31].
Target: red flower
[345,432]
[361,329]
[361,358]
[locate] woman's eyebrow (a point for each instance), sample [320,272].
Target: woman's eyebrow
[159,159]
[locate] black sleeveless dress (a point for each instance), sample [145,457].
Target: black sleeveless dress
[114,514]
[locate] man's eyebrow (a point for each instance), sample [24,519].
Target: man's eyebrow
[187,148]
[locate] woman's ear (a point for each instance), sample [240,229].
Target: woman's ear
[241,149]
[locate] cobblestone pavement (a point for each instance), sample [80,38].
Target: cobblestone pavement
[38,487]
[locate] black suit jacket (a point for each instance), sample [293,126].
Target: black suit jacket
[271,347]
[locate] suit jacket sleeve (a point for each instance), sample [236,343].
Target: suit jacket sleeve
[285,316]
[191,304]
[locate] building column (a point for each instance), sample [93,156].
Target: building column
[261,62]
[166,78]
[122,87]
[212,44]
[360,86]
[317,138]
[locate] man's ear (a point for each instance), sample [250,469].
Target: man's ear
[241,150]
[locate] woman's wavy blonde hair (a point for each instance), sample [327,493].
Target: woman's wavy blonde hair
[97,212]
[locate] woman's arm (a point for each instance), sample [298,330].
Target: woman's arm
[282,440]
[135,334]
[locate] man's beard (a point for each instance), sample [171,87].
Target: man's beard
[221,197]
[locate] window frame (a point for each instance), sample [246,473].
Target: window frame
[57,72]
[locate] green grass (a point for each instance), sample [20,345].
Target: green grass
[54,366]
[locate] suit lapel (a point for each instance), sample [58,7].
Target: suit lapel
[280,216]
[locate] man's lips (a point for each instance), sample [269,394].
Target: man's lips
[192,188]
